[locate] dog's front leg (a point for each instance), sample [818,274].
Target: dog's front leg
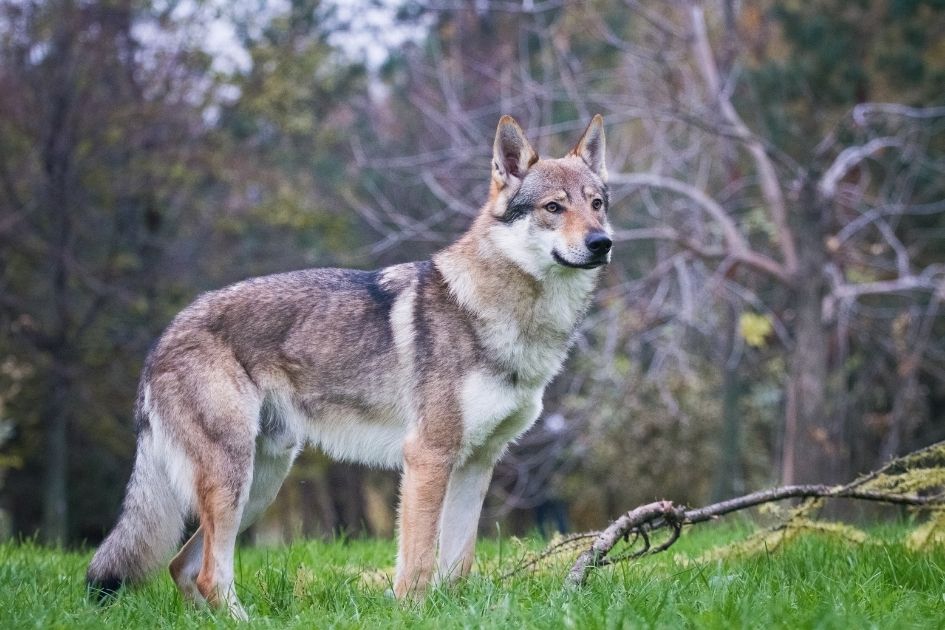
[460,520]
[423,486]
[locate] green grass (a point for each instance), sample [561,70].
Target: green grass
[815,582]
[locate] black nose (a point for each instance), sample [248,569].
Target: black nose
[598,243]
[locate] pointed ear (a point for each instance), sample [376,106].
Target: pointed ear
[512,155]
[591,147]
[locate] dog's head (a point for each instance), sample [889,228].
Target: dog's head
[550,212]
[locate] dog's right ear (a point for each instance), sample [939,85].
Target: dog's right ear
[512,155]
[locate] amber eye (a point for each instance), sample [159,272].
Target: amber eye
[554,207]
[597,204]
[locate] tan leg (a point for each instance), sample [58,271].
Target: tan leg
[426,473]
[220,513]
[272,463]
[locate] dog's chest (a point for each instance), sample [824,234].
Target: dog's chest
[495,411]
[527,347]
[527,358]
[532,340]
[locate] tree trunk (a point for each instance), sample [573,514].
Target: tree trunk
[347,484]
[906,410]
[727,477]
[812,449]
[57,154]
[55,526]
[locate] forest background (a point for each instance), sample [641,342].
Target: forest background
[772,314]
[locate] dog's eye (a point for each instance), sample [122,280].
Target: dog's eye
[597,204]
[553,206]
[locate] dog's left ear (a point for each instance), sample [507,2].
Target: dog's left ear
[591,147]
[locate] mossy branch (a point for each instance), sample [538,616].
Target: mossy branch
[914,480]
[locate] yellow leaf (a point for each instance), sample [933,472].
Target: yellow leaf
[754,328]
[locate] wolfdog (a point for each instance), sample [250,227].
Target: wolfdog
[432,366]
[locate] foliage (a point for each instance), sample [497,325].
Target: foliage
[629,424]
[919,474]
[96,182]
[137,171]
[128,178]
[754,328]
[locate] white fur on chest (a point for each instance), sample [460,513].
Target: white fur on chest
[494,412]
[533,347]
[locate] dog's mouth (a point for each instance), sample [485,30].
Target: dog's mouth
[594,263]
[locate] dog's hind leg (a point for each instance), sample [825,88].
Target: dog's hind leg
[214,412]
[273,459]
[186,565]
[203,569]
[222,493]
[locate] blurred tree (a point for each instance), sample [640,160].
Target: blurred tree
[95,155]
[837,57]
[134,173]
[288,133]
[774,301]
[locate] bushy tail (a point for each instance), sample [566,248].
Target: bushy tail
[148,531]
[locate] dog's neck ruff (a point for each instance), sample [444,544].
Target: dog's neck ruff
[526,323]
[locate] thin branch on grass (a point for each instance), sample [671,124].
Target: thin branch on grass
[641,521]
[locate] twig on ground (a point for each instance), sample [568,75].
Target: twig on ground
[641,521]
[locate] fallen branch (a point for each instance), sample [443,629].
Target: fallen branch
[883,486]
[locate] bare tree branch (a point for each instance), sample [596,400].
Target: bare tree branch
[767,177]
[861,111]
[738,246]
[929,280]
[662,514]
[848,159]
[441,193]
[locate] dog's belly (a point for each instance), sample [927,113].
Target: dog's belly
[350,425]
[371,425]
[373,436]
